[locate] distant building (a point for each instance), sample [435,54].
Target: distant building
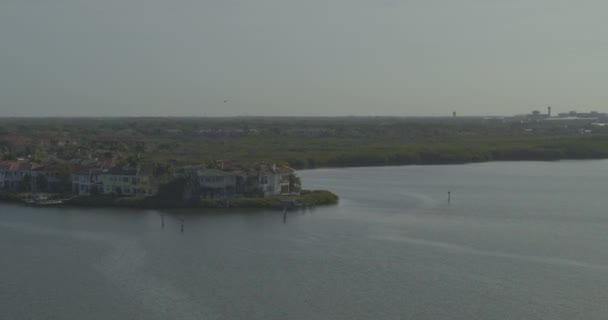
[128,182]
[87,181]
[583,115]
[537,115]
[571,119]
[174,131]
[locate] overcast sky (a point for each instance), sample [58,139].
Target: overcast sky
[306,57]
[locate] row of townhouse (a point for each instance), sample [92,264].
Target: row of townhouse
[19,174]
[29,176]
[269,180]
[263,179]
[113,181]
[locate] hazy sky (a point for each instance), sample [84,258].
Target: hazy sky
[306,57]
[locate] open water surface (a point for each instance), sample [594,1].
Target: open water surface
[524,240]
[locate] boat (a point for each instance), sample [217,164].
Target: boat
[47,203]
[42,201]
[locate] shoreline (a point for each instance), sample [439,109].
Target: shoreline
[448,163]
[308,198]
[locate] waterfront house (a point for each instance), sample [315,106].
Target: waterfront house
[14,174]
[273,180]
[289,183]
[87,181]
[215,183]
[210,183]
[127,182]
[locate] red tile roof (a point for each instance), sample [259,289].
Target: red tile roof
[19,166]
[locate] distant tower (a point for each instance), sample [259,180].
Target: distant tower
[549,109]
[454,114]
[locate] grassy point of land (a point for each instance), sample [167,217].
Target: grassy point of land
[305,199]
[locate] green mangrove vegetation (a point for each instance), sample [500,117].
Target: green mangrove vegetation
[303,142]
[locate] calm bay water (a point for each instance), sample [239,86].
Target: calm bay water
[525,240]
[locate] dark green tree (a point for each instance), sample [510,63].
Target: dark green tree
[176,189]
[9,156]
[295,183]
[95,190]
[162,170]
[133,161]
[42,183]
[25,185]
[39,156]
[64,175]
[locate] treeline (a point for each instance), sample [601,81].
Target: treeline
[302,142]
[462,152]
